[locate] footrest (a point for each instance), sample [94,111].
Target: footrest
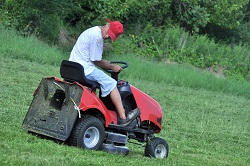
[128,129]
[116,138]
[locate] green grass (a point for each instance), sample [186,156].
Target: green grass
[181,75]
[12,45]
[33,50]
[204,125]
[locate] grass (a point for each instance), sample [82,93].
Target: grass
[204,125]
[29,48]
[181,75]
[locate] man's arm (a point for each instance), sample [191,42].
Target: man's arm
[106,65]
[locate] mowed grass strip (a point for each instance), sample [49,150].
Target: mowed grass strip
[202,127]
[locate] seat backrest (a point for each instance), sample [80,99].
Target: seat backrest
[72,71]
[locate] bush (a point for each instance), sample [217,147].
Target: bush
[190,16]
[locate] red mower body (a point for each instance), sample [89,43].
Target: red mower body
[150,109]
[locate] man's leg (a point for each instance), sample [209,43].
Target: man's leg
[116,99]
[108,86]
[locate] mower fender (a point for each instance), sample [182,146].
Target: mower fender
[89,101]
[150,108]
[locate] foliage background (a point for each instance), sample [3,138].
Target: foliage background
[212,34]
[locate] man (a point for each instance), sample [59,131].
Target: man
[88,50]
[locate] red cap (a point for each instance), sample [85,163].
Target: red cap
[115,29]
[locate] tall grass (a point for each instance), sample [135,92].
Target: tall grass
[13,45]
[181,75]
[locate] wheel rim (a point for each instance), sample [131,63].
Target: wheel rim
[91,137]
[160,151]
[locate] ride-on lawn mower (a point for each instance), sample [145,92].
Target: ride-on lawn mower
[71,111]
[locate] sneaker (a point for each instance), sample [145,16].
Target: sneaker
[130,117]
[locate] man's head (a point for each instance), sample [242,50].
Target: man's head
[112,29]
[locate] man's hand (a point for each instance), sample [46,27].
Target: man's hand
[116,68]
[106,65]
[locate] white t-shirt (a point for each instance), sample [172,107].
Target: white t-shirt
[88,48]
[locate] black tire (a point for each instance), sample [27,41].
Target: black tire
[88,133]
[157,148]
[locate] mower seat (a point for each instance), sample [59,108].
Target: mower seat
[72,71]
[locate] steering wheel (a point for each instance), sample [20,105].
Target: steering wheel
[123,65]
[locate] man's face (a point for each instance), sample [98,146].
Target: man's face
[105,32]
[106,37]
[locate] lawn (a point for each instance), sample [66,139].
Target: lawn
[202,127]
[206,119]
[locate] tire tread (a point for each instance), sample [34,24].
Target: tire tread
[151,145]
[75,138]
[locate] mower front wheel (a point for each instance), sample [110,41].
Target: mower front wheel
[157,148]
[88,133]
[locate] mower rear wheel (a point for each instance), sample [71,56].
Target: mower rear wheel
[157,148]
[88,133]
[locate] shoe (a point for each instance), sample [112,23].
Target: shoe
[130,117]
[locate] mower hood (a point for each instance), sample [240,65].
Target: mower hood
[150,108]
